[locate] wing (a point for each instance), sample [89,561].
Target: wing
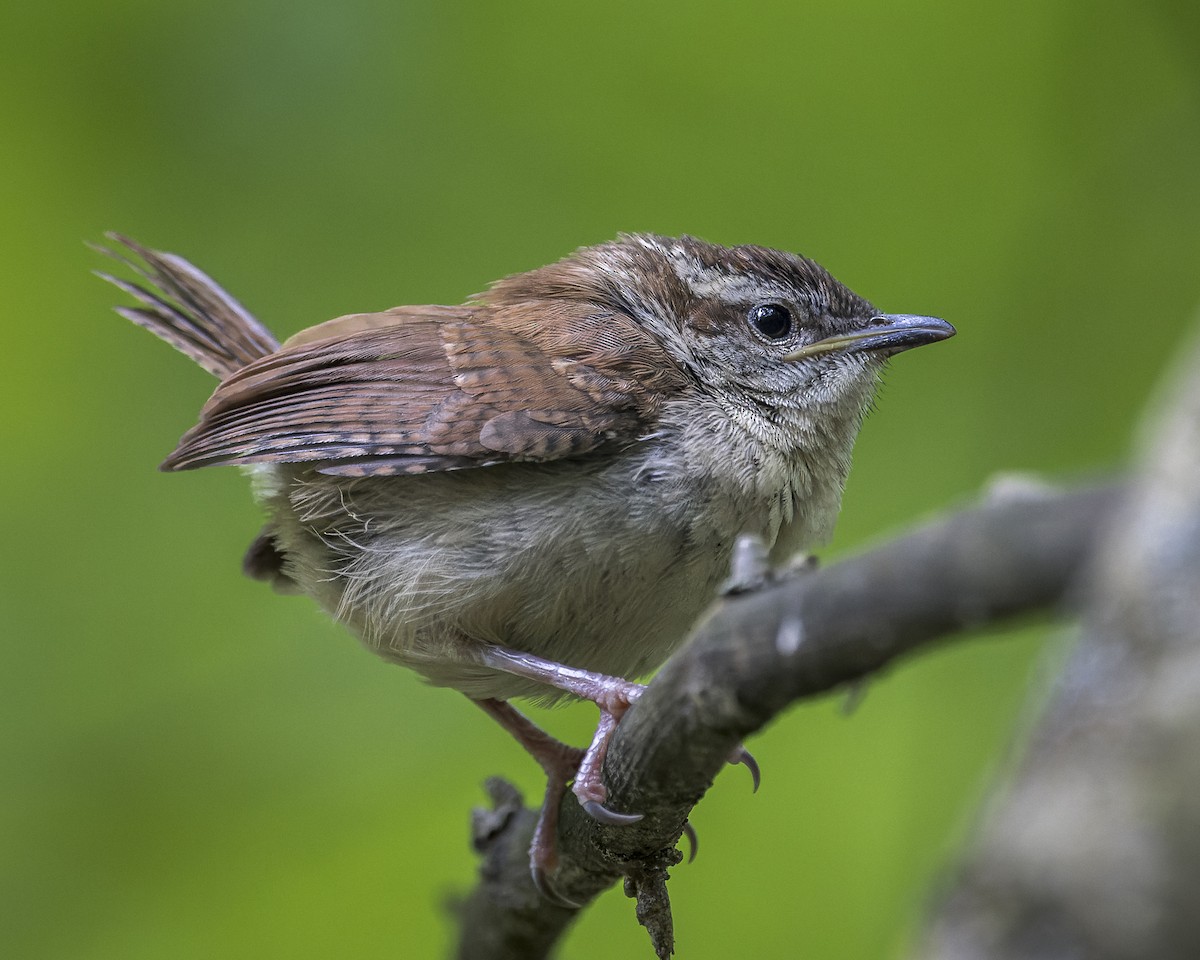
[422,389]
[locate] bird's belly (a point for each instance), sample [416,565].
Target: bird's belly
[555,568]
[595,602]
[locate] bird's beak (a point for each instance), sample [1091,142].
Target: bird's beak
[888,333]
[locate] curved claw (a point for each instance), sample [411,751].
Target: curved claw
[693,841]
[744,756]
[600,813]
[541,880]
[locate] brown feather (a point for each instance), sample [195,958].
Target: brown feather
[420,389]
[188,309]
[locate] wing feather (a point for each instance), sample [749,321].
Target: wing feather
[422,389]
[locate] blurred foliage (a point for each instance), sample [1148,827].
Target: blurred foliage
[195,768]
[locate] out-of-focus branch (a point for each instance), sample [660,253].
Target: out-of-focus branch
[754,655]
[1095,850]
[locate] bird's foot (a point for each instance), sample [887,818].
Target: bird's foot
[563,765]
[613,697]
[560,763]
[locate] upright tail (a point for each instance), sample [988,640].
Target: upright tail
[186,308]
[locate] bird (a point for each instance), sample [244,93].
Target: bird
[535,494]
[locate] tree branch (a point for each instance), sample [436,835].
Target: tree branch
[755,654]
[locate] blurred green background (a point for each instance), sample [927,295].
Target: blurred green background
[193,767]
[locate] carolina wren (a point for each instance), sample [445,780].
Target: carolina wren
[535,494]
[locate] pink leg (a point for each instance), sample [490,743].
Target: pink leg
[611,694]
[560,763]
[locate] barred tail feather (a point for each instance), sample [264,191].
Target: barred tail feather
[186,308]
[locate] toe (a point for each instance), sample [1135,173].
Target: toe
[541,880]
[743,756]
[600,813]
[693,841]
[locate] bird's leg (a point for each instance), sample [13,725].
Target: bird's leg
[612,695]
[560,763]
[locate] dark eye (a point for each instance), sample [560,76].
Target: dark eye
[771,320]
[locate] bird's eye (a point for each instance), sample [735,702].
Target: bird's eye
[771,320]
